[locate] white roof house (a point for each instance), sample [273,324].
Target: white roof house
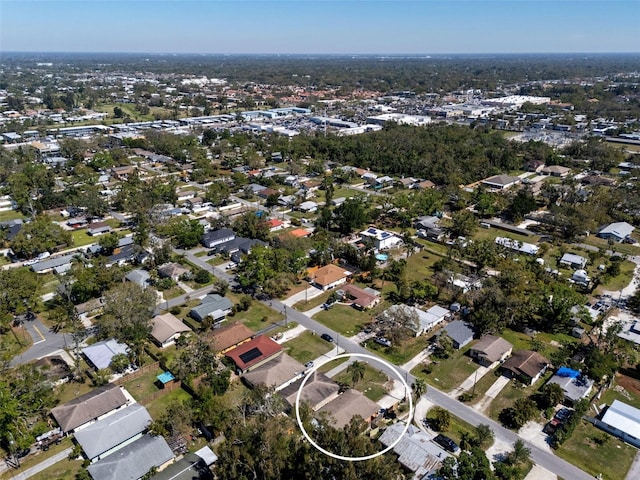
[521,247]
[617,231]
[380,238]
[623,421]
[101,353]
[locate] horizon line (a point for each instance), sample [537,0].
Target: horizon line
[2,52]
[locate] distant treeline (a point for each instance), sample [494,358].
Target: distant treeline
[386,74]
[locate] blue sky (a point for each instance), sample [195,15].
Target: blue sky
[317,26]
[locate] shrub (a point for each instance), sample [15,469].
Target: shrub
[175,310]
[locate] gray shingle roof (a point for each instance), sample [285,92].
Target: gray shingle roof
[134,461]
[113,430]
[214,305]
[459,332]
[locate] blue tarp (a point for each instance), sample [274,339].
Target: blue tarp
[567,372]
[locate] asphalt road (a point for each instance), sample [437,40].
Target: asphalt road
[545,459]
[45,342]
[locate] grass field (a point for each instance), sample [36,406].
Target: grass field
[511,393]
[10,215]
[450,373]
[143,386]
[159,405]
[14,342]
[343,319]
[306,347]
[372,384]
[597,452]
[399,354]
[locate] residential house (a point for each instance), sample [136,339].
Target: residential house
[360,298]
[297,233]
[425,321]
[623,421]
[277,373]
[99,354]
[581,277]
[574,385]
[618,231]
[172,270]
[214,306]
[275,224]
[89,309]
[491,349]
[228,337]
[522,247]
[423,185]
[308,207]
[134,461]
[90,407]
[416,451]
[556,171]
[51,263]
[349,404]
[501,182]
[106,436]
[329,276]
[406,182]
[380,239]
[252,354]
[317,392]
[459,332]
[98,228]
[166,328]
[526,366]
[573,260]
[216,237]
[122,173]
[139,277]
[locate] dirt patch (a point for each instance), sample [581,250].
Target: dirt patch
[630,384]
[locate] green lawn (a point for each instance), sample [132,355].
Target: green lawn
[372,384]
[522,341]
[64,470]
[612,458]
[618,283]
[143,386]
[258,316]
[10,215]
[399,354]
[303,306]
[512,392]
[450,373]
[14,342]
[70,390]
[624,248]
[420,266]
[345,320]
[483,385]
[306,347]
[493,232]
[457,427]
[331,365]
[159,405]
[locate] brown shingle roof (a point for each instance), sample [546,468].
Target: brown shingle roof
[229,336]
[526,362]
[88,407]
[318,390]
[329,274]
[349,404]
[275,372]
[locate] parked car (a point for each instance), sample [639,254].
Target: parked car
[327,337]
[563,414]
[383,341]
[446,443]
[308,364]
[552,426]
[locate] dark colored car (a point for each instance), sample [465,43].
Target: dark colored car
[446,443]
[552,426]
[327,337]
[563,414]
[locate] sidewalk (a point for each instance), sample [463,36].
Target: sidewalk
[397,393]
[30,472]
[290,334]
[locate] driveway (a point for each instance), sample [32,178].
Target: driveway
[307,294]
[492,393]
[470,381]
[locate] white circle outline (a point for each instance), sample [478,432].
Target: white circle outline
[373,455]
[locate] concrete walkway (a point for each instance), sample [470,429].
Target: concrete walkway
[420,413]
[185,288]
[30,472]
[469,382]
[397,393]
[492,393]
[539,473]
[634,471]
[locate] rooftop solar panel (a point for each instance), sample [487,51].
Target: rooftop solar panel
[252,354]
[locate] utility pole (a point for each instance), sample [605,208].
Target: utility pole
[285,316]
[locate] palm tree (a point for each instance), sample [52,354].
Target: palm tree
[520,454]
[356,370]
[419,387]
[484,435]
